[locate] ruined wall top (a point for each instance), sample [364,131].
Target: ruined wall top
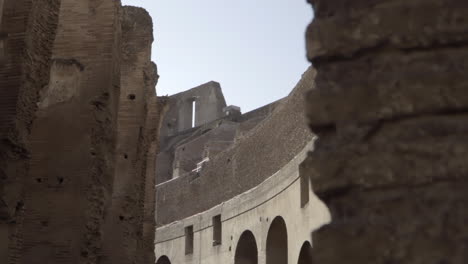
[207,100]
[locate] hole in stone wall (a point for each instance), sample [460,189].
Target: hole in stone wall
[188,240]
[163,260]
[121,217]
[246,251]
[125,156]
[217,230]
[131,97]
[304,186]
[305,256]
[60,180]
[39,180]
[277,242]
[19,206]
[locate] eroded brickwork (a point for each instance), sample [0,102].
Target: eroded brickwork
[389,110]
[136,129]
[64,123]
[27,32]
[73,138]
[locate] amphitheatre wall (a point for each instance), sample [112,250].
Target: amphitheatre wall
[257,212]
[249,161]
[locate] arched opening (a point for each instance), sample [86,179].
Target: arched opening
[277,242]
[163,260]
[305,256]
[246,251]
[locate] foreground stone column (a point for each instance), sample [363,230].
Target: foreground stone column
[390,113]
[73,138]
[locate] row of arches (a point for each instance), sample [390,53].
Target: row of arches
[276,247]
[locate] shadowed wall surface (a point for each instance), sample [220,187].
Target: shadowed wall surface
[27,33]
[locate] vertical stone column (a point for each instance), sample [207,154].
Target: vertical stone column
[73,138]
[390,112]
[27,31]
[136,130]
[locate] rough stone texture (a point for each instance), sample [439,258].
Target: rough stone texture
[27,31]
[73,138]
[63,126]
[136,129]
[253,157]
[156,107]
[390,111]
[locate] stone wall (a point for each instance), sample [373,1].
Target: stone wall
[136,129]
[209,101]
[255,210]
[27,32]
[390,111]
[64,123]
[73,138]
[253,158]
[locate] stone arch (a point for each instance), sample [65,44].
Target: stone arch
[163,260]
[277,242]
[305,256]
[246,250]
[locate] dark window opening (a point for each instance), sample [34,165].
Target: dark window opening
[188,240]
[217,230]
[304,190]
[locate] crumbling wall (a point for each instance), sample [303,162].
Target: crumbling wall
[209,101]
[136,129]
[390,111]
[27,31]
[73,138]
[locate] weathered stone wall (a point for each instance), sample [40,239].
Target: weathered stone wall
[136,129]
[252,159]
[27,32]
[63,125]
[73,138]
[255,210]
[390,111]
[209,100]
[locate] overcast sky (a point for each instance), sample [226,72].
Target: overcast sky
[254,48]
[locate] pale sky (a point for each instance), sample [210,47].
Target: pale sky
[254,48]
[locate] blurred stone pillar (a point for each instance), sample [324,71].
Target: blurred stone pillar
[390,111]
